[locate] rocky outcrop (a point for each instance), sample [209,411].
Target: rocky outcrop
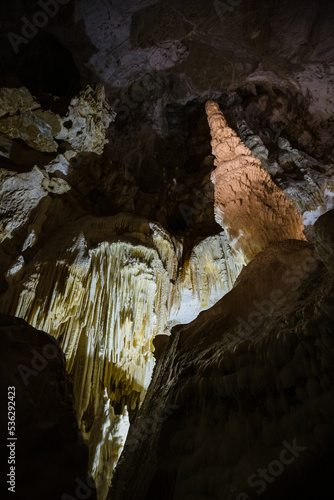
[50,456]
[21,194]
[41,191]
[87,120]
[84,126]
[241,402]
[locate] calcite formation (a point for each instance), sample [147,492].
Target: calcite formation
[84,126]
[105,297]
[40,191]
[251,208]
[104,286]
[108,248]
[113,286]
[20,195]
[106,441]
[15,101]
[206,275]
[22,118]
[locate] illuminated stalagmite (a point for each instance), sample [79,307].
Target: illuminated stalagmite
[251,208]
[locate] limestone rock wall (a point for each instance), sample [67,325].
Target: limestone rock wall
[306,181]
[241,402]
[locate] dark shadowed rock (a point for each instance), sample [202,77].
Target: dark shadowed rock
[324,239]
[51,457]
[249,378]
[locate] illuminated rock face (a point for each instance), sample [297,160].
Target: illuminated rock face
[27,121]
[305,181]
[105,294]
[251,208]
[40,189]
[87,121]
[21,194]
[84,126]
[208,273]
[116,286]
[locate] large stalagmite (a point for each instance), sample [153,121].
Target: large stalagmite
[248,205]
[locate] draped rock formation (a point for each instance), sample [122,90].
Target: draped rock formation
[104,291]
[106,287]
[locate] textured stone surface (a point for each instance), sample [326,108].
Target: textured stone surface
[41,191]
[21,194]
[247,376]
[324,239]
[50,452]
[87,121]
[14,100]
[306,181]
[36,128]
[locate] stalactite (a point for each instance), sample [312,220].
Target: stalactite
[105,287]
[104,292]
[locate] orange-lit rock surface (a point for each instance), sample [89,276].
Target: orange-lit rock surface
[251,208]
